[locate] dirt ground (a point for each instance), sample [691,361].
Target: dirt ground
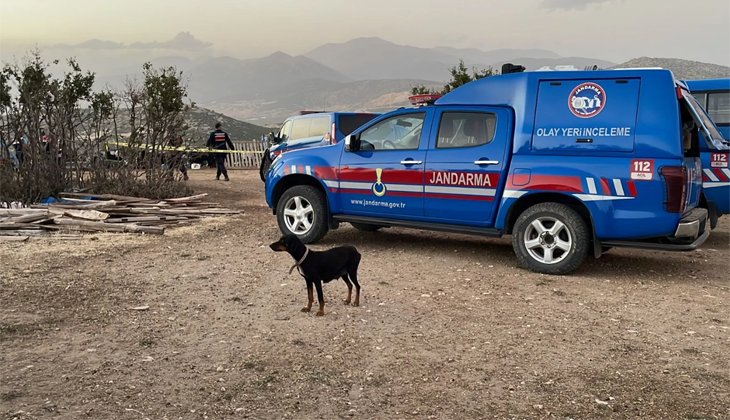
[449,327]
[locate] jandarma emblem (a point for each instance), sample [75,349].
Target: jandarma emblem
[587,100]
[379,189]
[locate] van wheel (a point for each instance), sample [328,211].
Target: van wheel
[302,210]
[265,165]
[551,238]
[364,227]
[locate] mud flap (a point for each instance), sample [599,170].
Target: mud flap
[597,248]
[712,211]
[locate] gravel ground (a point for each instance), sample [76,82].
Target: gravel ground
[449,327]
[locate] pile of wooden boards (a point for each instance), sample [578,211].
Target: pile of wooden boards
[78,212]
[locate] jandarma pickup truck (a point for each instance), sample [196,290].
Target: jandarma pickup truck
[569,163]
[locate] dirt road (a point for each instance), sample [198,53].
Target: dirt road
[448,328]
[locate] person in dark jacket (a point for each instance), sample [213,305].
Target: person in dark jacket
[219,140]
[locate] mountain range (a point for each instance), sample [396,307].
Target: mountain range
[364,74]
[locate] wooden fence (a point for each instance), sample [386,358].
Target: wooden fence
[249,160]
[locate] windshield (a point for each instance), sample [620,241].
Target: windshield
[715,139]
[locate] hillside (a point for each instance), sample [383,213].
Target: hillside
[375,58]
[318,94]
[682,69]
[221,77]
[202,122]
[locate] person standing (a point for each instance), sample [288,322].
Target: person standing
[177,157]
[219,140]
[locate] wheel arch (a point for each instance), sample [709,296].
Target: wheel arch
[293,180]
[527,201]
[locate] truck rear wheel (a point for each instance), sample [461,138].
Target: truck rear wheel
[302,210]
[551,238]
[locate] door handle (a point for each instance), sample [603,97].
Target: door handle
[486,162]
[410,162]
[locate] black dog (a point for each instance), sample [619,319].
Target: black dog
[323,266]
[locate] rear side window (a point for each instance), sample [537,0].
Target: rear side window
[346,124]
[586,115]
[465,129]
[284,131]
[308,129]
[718,106]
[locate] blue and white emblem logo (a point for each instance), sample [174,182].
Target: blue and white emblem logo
[587,100]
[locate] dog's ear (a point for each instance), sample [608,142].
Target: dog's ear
[278,246]
[292,242]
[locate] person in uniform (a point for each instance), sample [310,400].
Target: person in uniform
[219,140]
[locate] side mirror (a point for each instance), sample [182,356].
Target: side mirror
[351,143]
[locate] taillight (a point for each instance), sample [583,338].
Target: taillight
[333,138]
[675,181]
[276,153]
[680,96]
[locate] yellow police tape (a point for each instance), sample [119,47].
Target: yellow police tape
[178,149]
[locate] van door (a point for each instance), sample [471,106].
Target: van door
[709,133]
[715,155]
[383,176]
[466,163]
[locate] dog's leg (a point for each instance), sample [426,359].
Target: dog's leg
[320,297]
[310,296]
[352,272]
[349,289]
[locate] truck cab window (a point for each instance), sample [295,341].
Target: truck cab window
[401,132]
[465,129]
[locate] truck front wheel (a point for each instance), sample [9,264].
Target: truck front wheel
[302,210]
[551,238]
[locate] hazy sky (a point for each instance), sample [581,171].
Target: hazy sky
[615,30]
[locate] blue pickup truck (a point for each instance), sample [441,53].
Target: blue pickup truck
[569,163]
[714,96]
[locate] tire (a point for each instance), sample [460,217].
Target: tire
[312,206]
[265,165]
[364,227]
[543,252]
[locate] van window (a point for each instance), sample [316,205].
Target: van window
[576,116]
[465,129]
[718,106]
[701,98]
[715,139]
[346,124]
[284,131]
[309,129]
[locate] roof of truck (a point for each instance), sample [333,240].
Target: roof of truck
[512,89]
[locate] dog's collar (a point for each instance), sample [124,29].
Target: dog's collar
[298,263]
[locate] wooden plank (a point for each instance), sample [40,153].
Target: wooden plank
[20,212]
[28,218]
[100,226]
[87,214]
[187,199]
[15,226]
[8,238]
